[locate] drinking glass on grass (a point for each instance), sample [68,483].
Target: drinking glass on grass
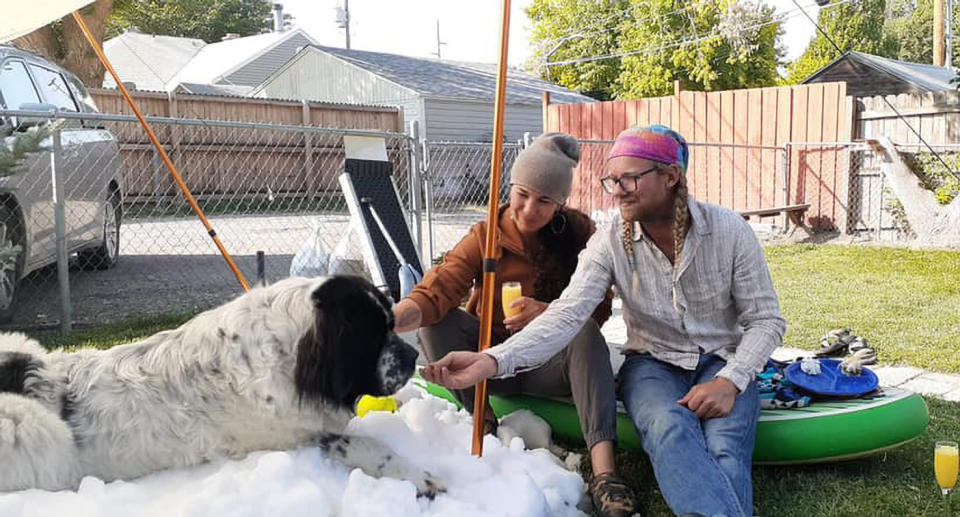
[945,463]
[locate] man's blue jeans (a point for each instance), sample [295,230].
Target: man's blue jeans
[702,466]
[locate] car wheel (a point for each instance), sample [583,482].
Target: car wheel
[106,254]
[11,262]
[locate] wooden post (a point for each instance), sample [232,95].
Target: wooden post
[545,98]
[675,107]
[309,176]
[939,22]
[490,243]
[176,133]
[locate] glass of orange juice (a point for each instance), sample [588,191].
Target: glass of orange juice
[511,291]
[945,462]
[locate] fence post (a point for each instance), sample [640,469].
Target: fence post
[173,110]
[545,108]
[785,186]
[428,193]
[416,188]
[60,229]
[527,140]
[308,151]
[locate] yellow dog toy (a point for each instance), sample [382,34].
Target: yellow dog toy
[369,403]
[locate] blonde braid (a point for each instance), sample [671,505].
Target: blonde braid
[680,215]
[626,238]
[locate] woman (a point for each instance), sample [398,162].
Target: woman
[539,242]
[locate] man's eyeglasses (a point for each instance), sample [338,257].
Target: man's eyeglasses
[627,182]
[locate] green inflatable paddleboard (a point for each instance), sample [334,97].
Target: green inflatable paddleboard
[823,432]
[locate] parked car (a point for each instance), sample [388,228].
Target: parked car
[88,166]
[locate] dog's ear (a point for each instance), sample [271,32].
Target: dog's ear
[337,357]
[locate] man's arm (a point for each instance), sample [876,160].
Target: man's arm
[552,330]
[757,308]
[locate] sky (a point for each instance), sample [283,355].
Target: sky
[427,431]
[469,29]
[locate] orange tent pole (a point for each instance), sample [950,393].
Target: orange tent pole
[489,250]
[161,152]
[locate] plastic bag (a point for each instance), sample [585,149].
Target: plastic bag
[311,259]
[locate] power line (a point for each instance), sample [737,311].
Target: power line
[646,50]
[782,17]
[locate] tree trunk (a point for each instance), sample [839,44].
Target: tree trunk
[64,43]
[932,222]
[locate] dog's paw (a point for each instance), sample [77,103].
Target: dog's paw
[429,486]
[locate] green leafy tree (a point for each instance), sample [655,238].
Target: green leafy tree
[910,24]
[855,25]
[572,29]
[705,44]
[209,20]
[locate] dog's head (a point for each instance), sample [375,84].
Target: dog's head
[351,350]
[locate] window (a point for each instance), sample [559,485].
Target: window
[16,88]
[80,93]
[54,88]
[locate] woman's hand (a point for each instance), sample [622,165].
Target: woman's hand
[406,316]
[529,309]
[458,370]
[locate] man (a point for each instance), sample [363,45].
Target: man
[702,318]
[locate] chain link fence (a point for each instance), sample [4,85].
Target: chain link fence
[104,204]
[457,186]
[266,188]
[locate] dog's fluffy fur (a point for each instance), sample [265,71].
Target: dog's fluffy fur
[278,368]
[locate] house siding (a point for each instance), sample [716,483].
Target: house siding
[472,121]
[317,76]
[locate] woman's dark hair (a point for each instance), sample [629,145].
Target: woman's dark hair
[561,241]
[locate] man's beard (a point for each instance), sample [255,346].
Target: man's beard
[650,215]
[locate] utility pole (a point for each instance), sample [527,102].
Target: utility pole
[949,35]
[437,53]
[939,19]
[343,18]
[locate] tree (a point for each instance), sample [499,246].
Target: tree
[63,43]
[705,44]
[572,29]
[933,216]
[209,20]
[855,25]
[910,24]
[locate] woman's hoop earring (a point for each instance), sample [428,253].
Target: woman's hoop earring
[558,228]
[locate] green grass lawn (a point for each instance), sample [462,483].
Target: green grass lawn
[896,483]
[906,302]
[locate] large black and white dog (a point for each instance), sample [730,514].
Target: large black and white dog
[277,368]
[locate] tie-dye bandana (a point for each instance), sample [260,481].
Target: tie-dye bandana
[656,143]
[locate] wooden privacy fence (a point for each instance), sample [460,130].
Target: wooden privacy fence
[936,116]
[738,154]
[215,158]
[245,109]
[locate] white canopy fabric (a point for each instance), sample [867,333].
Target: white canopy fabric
[19,17]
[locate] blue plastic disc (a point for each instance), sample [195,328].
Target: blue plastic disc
[831,381]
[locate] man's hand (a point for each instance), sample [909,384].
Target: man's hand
[713,399]
[458,370]
[529,309]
